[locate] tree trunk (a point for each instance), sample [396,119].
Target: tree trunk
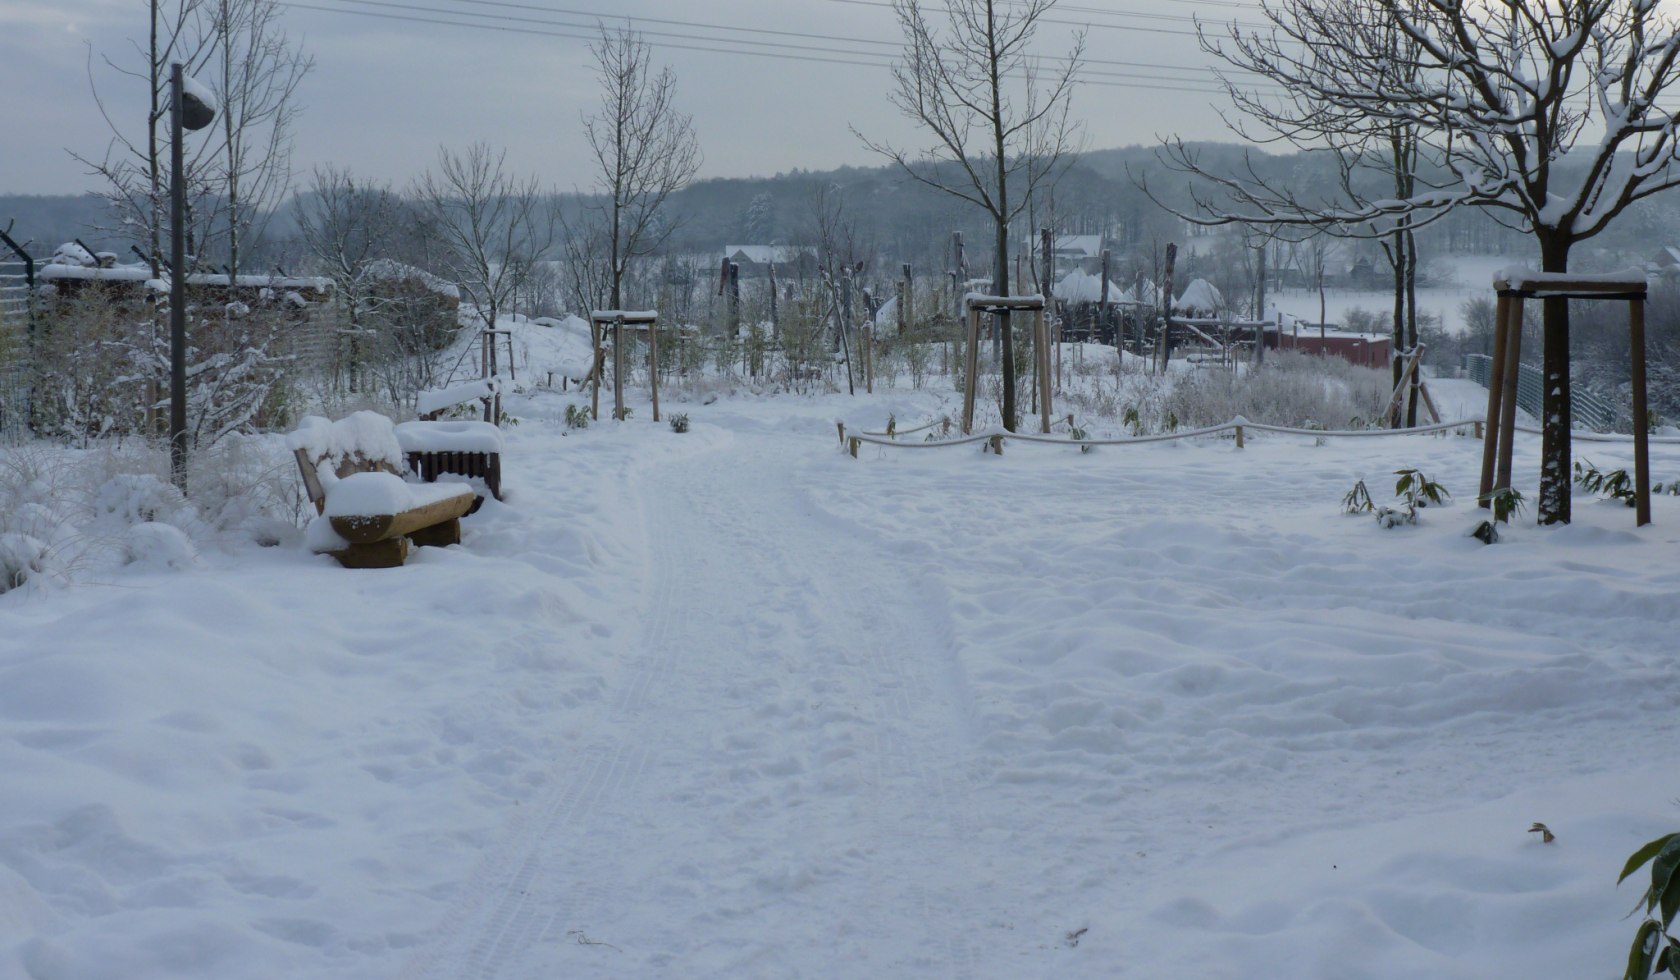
[1006,337]
[1555,449]
[1412,326]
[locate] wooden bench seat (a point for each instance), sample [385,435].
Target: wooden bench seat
[373,515]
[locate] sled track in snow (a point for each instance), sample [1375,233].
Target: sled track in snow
[847,701]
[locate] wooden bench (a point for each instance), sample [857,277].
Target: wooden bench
[372,513]
[467,449]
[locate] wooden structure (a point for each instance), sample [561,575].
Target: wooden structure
[1410,378]
[432,518]
[976,305]
[1507,349]
[618,320]
[456,448]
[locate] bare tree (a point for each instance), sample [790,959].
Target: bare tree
[257,70]
[996,113]
[1554,116]
[347,225]
[133,166]
[644,149]
[490,226]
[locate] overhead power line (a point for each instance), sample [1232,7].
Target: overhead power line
[1110,73]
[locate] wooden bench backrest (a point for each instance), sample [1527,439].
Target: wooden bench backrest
[309,470]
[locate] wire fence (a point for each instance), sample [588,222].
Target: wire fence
[17,288]
[1589,409]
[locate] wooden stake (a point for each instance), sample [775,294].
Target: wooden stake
[1508,410]
[971,367]
[653,365]
[1641,415]
[1496,387]
[618,369]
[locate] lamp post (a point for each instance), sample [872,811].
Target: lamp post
[188,109]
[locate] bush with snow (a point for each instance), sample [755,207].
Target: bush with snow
[22,558]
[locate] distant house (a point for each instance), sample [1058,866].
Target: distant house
[792,261]
[1082,252]
[1666,263]
[1365,349]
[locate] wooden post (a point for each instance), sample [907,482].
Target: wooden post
[841,426]
[653,364]
[1239,437]
[1496,387]
[997,445]
[855,441]
[1641,415]
[618,368]
[971,367]
[1165,341]
[1508,411]
[907,300]
[902,306]
[1042,326]
[596,363]
[869,359]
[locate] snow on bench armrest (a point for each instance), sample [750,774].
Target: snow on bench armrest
[449,437]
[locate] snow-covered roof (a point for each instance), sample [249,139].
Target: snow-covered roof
[1082,287]
[390,270]
[765,254]
[1089,246]
[1199,297]
[141,273]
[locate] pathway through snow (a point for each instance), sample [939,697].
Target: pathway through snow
[782,777]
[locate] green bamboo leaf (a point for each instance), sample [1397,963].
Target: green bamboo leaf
[1644,949]
[1663,869]
[1644,854]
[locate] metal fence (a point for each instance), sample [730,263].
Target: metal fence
[17,310]
[1591,411]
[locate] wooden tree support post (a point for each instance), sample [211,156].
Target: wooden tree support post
[1496,389]
[1041,354]
[996,443]
[618,368]
[841,426]
[1641,414]
[653,366]
[1239,437]
[597,361]
[1507,350]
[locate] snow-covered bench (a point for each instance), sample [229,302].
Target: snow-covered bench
[472,450]
[367,514]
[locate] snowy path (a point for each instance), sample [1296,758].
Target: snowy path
[790,719]
[734,704]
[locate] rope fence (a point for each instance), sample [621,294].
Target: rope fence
[851,440]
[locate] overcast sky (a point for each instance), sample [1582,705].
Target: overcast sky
[390,84]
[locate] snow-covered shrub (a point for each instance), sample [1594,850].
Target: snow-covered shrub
[151,543]
[1288,389]
[22,558]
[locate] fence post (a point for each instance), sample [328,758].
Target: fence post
[1239,437]
[855,441]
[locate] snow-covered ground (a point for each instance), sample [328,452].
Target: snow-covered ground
[1455,281]
[731,703]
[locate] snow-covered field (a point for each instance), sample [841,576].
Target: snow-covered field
[1455,280]
[733,704]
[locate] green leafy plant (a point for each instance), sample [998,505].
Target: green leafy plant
[1487,532]
[577,417]
[625,413]
[1507,502]
[1417,490]
[1131,419]
[1358,500]
[1655,948]
[1172,421]
[892,427]
[1616,484]
[1080,435]
[679,422]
